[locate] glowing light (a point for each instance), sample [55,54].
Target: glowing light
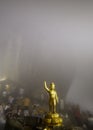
[2,79]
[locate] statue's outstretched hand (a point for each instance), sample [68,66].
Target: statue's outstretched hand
[45,83]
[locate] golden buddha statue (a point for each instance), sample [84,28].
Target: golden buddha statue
[53,98]
[52,118]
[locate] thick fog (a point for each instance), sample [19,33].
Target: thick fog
[49,40]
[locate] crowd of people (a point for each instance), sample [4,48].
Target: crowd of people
[18,112]
[79,117]
[16,109]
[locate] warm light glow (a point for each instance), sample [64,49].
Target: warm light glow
[2,79]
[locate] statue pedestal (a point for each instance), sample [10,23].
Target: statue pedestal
[53,119]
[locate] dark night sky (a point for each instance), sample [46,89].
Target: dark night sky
[49,40]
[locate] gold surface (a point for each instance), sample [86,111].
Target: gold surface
[53,98]
[52,118]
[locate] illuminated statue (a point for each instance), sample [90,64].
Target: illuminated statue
[52,118]
[53,98]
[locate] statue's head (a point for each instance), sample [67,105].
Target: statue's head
[52,86]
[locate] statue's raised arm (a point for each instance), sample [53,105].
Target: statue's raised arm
[45,86]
